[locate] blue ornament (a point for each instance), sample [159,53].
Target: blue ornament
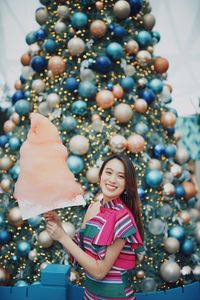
[165,96]
[50,46]
[111,27]
[114,50]
[153,178]
[23,248]
[45,2]
[128,83]
[158,150]
[87,89]
[35,221]
[110,86]
[26,94]
[191,202]
[148,95]
[141,193]
[18,95]
[38,63]
[79,107]
[179,191]
[103,64]
[1,221]
[22,79]
[5,236]
[22,107]
[31,38]
[14,259]
[36,282]
[156,85]
[187,248]
[71,84]
[75,164]
[68,123]
[14,143]
[79,20]
[170,131]
[141,128]
[119,32]
[136,6]
[40,34]
[3,140]
[155,36]
[177,232]
[144,38]
[170,150]
[21,283]
[14,171]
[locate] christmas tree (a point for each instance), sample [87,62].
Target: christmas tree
[91,69]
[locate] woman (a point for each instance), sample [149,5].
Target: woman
[109,238]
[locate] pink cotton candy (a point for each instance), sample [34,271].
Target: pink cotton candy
[45,181]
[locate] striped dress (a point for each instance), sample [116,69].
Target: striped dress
[113,221]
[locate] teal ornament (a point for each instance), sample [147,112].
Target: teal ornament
[79,20]
[165,96]
[154,178]
[144,38]
[3,140]
[14,171]
[14,259]
[23,248]
[68,123]
[170,150]
[141,128]
[187,247]
[35,221]
[22,107]
[79,107]
[21,283]
[177,232]
[14,143]
[31,38]
[128,83]
[49,46]
[156,85]
[1,221]
[5,236]
[87,89]
[114,50]
[36,283]
[75,164]
[179,191]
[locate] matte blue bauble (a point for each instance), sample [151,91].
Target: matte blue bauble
[144,38]
[191,202]
[170,131]
[38,63]
[21,283]
[114,50]
[68,123]
[136,6]
[87,89]
[119,32]
[71,84]
[79,20]
[170,150]
[148,95]
[5,236]
[17,96]
[14,143]
[14,171]
[22,107]
[50,46]
[156,85]
[179,191]
[35,221]
[153,178]
[177,232]
[3,140]
[156,36]
[23,248]
[187,248]
[22,79]
[40,34]
[141,193]
[127,83]
[103,64]
[31,38]
[158,150]
[79,107]
[75,164]
[141,128]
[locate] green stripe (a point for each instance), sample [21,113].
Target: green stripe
[91,231]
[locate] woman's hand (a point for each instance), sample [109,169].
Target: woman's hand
[56,231]
[53,217]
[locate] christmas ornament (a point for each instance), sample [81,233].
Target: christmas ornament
[121,9]
[156,226]
[118,143]
[92,175]
[135,143]
[154,178]
[123,113]
[44,239]
[79,145]
[53,100]
[170,271]
[57,65]
[105,99]
[98,28]
[38,85]
[140,106]
[76,46]
[171,245]
[75,164]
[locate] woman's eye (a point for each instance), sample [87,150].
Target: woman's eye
[108,172]
[121,176]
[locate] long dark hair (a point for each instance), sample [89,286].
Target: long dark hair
[130,195]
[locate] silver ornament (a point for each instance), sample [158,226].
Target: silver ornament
[143,57]
[92,175]
[76,46]
[121,9]
[44,239]
[60,27]
[148,285]
[149,21]
[53,100]
[27,72]
[79,145]
[182,155]
[142,82]
[129,70]
[156,226]
[63,11]
[38,85]
[44,109]
[32,254]
[87,74]
[196,272]
[171,245]
[41,16]
[170,271]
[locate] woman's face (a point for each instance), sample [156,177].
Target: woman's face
[112,181]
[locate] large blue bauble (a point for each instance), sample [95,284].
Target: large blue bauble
[21,283]
[187,248]
[5,236]
[79,107]
[14,171]
[144,38]
[71,84]
[119,32]
[177,232]
[148,95]
[170,150]
[114,50]
[141,193]
[75,164]
[3,140]
[153,178]
[158,150]
[50,46]
[128,83]
[79,20]
[31,38]
[35,221]
[156,85]
[40,34]
[103,64]
[179,191]
[17,96]
[22,107]
[68,123]
[39,63]
[23,248]
[14,143]
[141,128]
[136,6]
[87,89]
